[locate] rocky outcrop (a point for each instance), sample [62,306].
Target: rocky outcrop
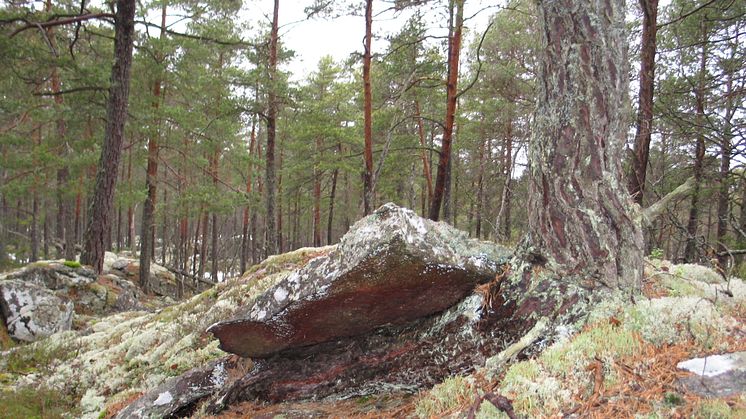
[32,312]
[389,269]
[393,307]
[43,295]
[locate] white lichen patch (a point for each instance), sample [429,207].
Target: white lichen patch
[163,399]
[132,352]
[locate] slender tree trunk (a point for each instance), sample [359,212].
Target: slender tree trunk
[332,197]
[480,190]
[641,150]
[505,204]
[64,224]
[34,226]
[103,193]
[245,225]
[151,177]
[280,241]
[423,152]
[368,111]
[454,49]
[726,146]
[45,233]
[579,217]
[271,233]
[317,196]
[691,252]
[203,243]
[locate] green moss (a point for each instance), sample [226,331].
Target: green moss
[679,287]
[72,264]
[36,357]
[604,341]
[714,409]
[524,370]
[37,402]
[446,396]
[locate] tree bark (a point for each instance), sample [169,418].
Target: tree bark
[245,226]
[579,216]
[151,177]
[271,233]
[99,222]
[641,150]
[690,251]
[454,49]
[368,112]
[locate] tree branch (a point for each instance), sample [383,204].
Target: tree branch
[649,214]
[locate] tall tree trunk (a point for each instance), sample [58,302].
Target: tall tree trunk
[99,222]
[726,146]
[151,177]
[368,111]
[203,244]
[454,50]
[271,233]
[245,225]
[423,152]
[641,150]
[690,251]
[332,197]
[65,231]
[579,216]
[480,190]
[317,196]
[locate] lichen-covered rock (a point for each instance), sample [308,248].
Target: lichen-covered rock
[32,312]
[90,294]
[392,267]
[161,282]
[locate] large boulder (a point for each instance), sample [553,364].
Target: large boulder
[389,269]
[32,312]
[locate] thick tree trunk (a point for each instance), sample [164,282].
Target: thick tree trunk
[579,216]
[271,233]
[454,49]
[99,222]
[368,112]
[641,150]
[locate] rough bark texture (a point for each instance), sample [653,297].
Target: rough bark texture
[454,49]
[99,221]
[641,150]
[579,215]
[151,179]
[271,238]
[368,113]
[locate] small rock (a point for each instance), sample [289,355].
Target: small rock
[715,376]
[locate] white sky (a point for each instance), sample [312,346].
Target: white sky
[342,36]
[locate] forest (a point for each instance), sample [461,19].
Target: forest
[178,129]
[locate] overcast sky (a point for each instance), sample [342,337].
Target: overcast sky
[342,36]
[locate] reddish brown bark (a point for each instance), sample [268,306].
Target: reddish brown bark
[579,217]
[454,49]
[423,151]
[368,112]
[151,179]
[641,150]
[99,222]
[246,219]
[271,236]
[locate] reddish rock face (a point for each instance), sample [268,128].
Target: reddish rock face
[391,268]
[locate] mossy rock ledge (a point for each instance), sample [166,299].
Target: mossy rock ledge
[392,307]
